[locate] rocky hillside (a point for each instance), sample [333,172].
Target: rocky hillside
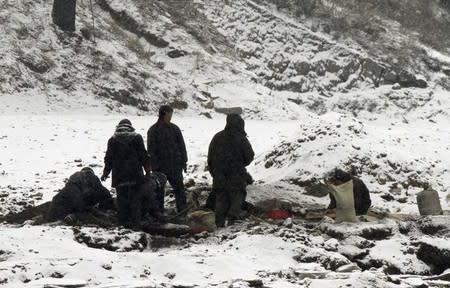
[202,56]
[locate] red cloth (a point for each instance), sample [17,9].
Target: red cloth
[278,214]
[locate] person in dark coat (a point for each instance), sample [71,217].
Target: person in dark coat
[168,155]
[63,14]
[361,194]
[126,157]
[228,155]
[82,191]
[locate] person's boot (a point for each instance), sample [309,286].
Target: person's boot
[220,223]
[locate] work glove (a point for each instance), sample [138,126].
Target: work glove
[148,168]
[104,177]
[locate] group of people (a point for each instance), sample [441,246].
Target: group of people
[126,157]
[163,160]
[139,173]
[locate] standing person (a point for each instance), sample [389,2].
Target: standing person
[168,155]
[125,157]
[229,153]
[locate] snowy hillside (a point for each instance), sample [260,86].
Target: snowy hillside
[201,56]
[315,96]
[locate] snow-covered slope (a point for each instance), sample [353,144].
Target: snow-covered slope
[201,56]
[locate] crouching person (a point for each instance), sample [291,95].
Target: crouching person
[126,158]
[82,191]
[229,153]
[154,182]
[348,193]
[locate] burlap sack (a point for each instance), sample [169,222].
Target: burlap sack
[345,202]
[200,221]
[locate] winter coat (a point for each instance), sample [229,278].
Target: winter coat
[82,191]
[361,197]
[166,147]
[126,156]
[230,151]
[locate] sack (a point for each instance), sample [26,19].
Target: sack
[428,202]
[345,202]
[201,221]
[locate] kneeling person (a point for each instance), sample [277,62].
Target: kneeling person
[361,195]
[82,191]
[153,183]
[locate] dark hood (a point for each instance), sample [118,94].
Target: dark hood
[235,123]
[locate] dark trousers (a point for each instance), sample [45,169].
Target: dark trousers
[176,181]
[211,201]
[129,208]
[229,197]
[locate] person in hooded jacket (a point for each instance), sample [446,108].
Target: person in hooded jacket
[82,191]
[361,194]
[126,158]
[228,154]
[165,144]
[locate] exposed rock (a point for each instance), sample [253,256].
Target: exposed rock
[4,255]
[124,96]
[180,105]
[406,79]
[302,67]
[231,110]
[317,190]
[176,53]
[352,252]
[86,33]
[390,77]
[348,268]
[255,283]
[329,260]
[206,114]
[130,24]
[377,232]
[35,62]
[435,255]
[348,70]
[372,70]
[112,240]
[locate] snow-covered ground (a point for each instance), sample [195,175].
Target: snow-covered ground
[39,152]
